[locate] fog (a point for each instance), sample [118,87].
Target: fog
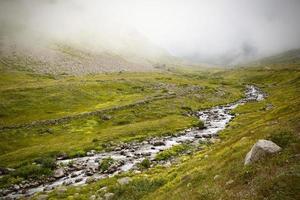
[214,31]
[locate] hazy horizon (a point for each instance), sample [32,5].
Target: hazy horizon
[217,32]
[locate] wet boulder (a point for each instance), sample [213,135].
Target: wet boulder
[91,153]
[92,166]
[159,143]
[90,180]
[59,173]
[261,149]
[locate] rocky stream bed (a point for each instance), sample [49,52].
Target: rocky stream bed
[126,156]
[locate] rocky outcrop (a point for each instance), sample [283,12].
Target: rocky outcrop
[260,150]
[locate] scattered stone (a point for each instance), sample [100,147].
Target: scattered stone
[89,173]
[216,177]
[42,197]
[206,135]
[92,166]
[78,180]
[93,197]
[4,171]
[167,164]
[269,107]
[159,143]
[68,182]
[229,182]
[105,117]
[61,190]
[260,150]
[91,153]
[103,189]
[214,140]
[59,173]
[108,196]
[124,180]
[62,156]
[146,154]
[90,180]
[16,187]
[48,188]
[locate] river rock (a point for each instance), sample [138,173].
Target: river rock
[78,180]
[90,180]
[68,182]
[158,143]
[62,156]
[3,171]
[261,149]
[59,173]
[124,181]
[48,188]
[91,153]
[92,166]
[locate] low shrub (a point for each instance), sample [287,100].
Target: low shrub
[283,139]
[105,163]
[174,151]
[46,162]
[145,164]
[32,171]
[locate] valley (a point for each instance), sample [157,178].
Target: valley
[103,116]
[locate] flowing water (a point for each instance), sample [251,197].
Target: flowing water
[78,171]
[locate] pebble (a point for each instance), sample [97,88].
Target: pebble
[229,182]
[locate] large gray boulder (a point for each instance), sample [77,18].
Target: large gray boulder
[261,149]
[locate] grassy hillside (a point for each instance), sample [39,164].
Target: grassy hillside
[289,59]
[216,171]
[139,105]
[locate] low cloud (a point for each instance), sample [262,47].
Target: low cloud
[217,31]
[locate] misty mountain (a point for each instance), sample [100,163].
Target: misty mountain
[46,55]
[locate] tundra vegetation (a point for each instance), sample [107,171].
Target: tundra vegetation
[102,110]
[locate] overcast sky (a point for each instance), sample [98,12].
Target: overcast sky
[195,29]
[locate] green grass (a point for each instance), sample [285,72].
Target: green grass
[26,97]
[171,152]
[275,177]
